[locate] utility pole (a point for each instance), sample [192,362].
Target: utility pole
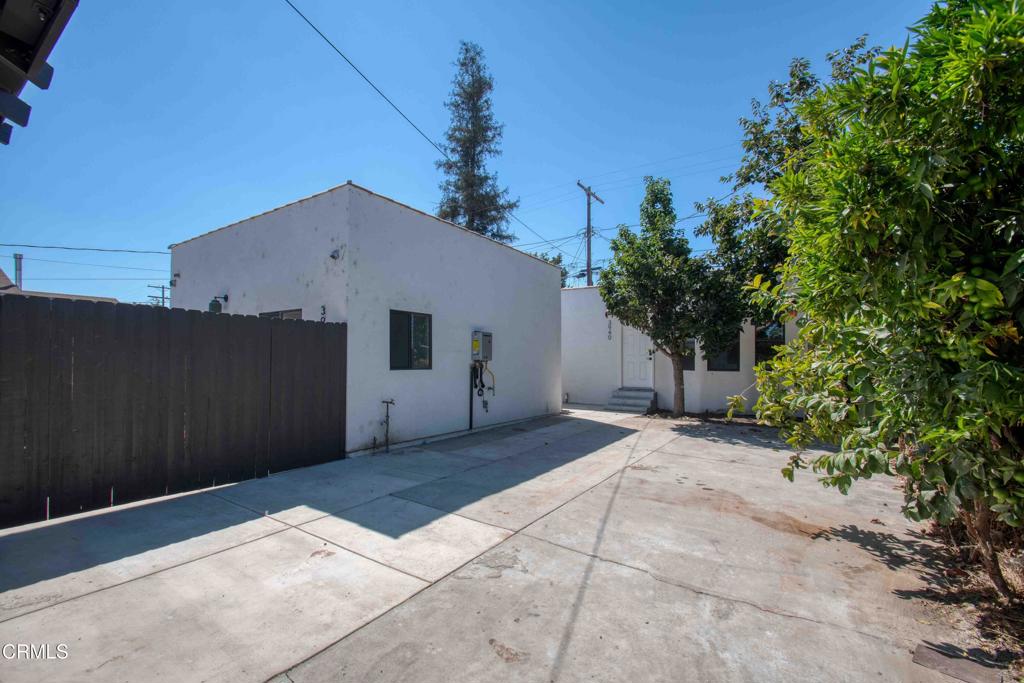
[162,297]
[590,231]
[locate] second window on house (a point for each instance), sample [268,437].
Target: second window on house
[290,314]
[411,340]
[688,360]
[767,338]
[726,361]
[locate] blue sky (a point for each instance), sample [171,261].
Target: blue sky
[164,124]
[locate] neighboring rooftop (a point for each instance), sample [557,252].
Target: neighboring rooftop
[8,287]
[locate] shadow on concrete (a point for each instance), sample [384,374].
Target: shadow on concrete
[933,566]
[207,521]
[735,433]
[732,434]
[997,658]
[916,552]
[570,628]
[997,622]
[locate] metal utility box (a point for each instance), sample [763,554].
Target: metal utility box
[482,346]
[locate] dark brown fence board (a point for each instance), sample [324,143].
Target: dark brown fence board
[16,498]
[37,440]
[117,418]
[94,361]
[282,403]
[111,397]
[251,347]
[179,324]
[147,404]
[202,367]
[81,441]
[259,335]
[99,398]
[67,490]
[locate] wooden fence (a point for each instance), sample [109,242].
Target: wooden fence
[105,403]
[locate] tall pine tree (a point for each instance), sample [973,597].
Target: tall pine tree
[470,195]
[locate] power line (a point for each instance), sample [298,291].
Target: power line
[365,78]
[617,184]
[692,251]
[562,241]
[115,251]
[95,265]
[575,258]
[572,192]
[400,112]
[517,220]
[662,161]
[625,183]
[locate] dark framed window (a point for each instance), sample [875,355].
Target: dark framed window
[726,361]
[290,314]
[766,338]
[688,360]
[411,340]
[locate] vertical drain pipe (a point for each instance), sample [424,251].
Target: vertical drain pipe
[472,385]
[387,423]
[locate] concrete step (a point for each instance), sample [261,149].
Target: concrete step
[647,394]
[631,400]
[638,402]
[627,409]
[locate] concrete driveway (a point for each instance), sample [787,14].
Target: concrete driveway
[596,546]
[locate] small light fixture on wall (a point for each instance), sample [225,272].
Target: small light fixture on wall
[215,305]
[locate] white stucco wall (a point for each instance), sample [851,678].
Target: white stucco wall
[279,260]
[592,364]
[392,257]
[591,347]
[706,390]
[401,259]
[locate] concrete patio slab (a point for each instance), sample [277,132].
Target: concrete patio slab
[419,540]
[507,447]
[416,460]
[241,615]
[655,549]
[544,613]
[728,531]
[299,496]
[512,494]
[54,561]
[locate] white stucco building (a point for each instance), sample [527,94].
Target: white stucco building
[412,287]
[607,363]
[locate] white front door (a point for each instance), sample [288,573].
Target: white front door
[637,359]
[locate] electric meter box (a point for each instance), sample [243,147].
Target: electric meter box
[482,346]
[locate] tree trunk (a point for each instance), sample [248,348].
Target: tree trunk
[679,398]
[979,527]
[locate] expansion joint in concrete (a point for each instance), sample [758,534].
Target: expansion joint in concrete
[714,595]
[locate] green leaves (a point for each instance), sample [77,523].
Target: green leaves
[470,195]
[905,228]
[654,284]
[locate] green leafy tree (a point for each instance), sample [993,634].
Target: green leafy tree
[654,284]
[751,241]
[904,215]
[554,260]
[470,195]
